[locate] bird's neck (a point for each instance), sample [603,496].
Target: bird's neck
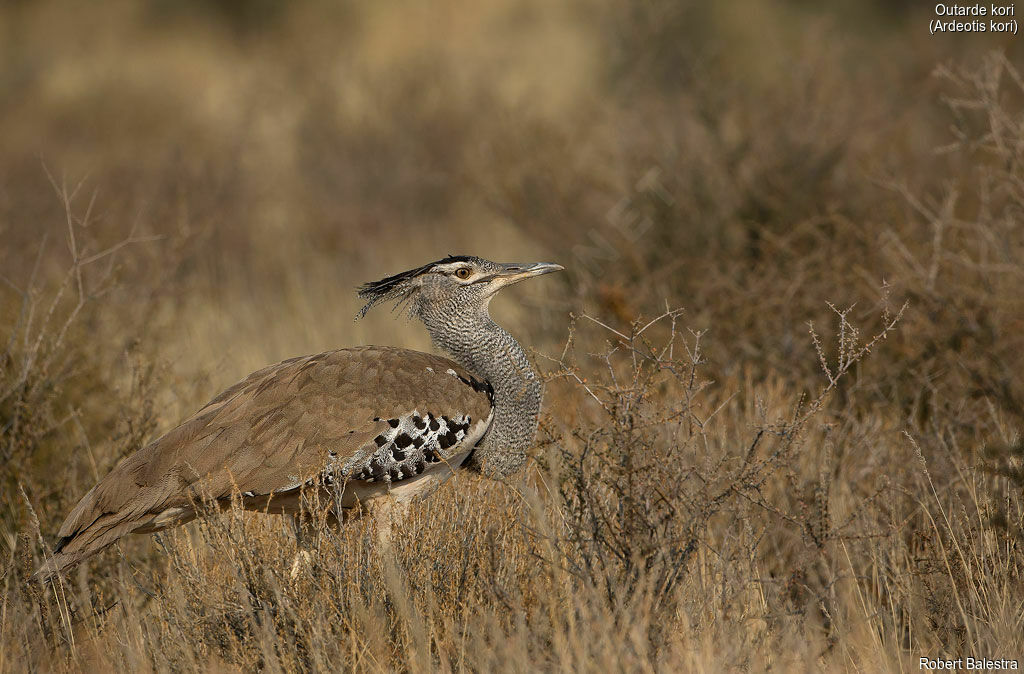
[487,350]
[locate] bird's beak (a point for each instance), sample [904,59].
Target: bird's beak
[515,272]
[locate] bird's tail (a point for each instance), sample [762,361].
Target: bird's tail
[54,565]
[70,550]
[83,534]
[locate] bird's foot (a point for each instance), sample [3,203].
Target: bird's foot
[303,563]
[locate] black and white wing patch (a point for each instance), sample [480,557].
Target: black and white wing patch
[409,444]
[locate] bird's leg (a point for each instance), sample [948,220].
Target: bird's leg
[304,538]
[385,512]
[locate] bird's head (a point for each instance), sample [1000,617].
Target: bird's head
[457,283]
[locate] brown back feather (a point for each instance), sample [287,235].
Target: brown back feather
[268,433]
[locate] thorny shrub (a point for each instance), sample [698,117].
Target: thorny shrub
[641,480]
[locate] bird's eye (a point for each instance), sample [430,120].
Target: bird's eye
[463,273]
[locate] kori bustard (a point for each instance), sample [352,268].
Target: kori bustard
[363,424]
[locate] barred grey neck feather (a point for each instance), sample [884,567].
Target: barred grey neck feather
[482,346]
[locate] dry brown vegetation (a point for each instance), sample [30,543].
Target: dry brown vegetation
[783,420]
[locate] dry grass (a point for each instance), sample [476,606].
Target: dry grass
[817,464]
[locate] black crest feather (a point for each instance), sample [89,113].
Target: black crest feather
[397,287]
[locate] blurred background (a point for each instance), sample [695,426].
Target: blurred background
[225,174]
[743,160]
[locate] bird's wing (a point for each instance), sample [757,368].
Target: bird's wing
[369,413]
